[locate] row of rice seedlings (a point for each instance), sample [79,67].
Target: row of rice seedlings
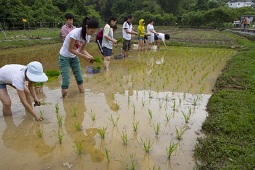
[59,120]
[124,138]
[102,132]
[114,121]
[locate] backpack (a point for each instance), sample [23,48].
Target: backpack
[99,35]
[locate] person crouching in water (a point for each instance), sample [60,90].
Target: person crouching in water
[74,47]
[108,41]
[15,75]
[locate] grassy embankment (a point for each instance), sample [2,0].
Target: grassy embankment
[230,126]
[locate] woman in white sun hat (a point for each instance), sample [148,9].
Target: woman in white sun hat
[15,75]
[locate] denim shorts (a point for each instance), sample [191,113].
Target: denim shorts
[2,86]
[64,65]
[140,38]
[107,52]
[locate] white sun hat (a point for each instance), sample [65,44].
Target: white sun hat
[35,72]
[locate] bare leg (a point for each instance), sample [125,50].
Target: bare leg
[81,88]
[107,62]
[64,93]
[6,101]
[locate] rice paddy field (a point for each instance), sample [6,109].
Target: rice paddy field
[146,112]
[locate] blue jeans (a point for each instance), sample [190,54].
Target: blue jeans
[64,64]
[2,86]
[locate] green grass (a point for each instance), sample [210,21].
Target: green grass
[230,123]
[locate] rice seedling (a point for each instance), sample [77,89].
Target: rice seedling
[92,115]
[78,147]
[102,132]
[59,135]
[39,133]
[143,102]
[59,120]
[154,168]
[114,121]
[77,125]
[150,113]
[42,114]
[74,111]
[195,102]
[135,126]
[57,108]
[150,94]
[132,165]
[134,109]
[107,155]
[160,103]
[174,105]
[186,116]
[180,132]
[167,116]
[124,138]
[170,149]
[146,145]
[156,128]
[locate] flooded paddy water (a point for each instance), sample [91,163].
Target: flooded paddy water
[141,106]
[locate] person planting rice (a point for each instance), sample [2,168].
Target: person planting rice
[16,75]
[163,38]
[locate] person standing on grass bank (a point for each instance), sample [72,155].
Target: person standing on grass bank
[150,32]
[16,75]
[163,37]
[127,31]
[74,47]
[108,41]
[67,27]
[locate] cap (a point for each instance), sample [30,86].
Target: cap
[35,72]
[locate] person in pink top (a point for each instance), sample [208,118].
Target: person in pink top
[68,27]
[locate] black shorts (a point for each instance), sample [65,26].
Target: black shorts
[126,45]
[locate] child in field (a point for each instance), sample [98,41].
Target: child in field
[151,32]
[74,47]
[67,27]
[141,34]
[163,37]
[15,76]
[108,41]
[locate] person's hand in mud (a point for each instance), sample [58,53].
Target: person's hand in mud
[38,117]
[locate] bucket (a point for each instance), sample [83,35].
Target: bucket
[93,69]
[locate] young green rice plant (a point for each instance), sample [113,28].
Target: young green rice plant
[74,111]
[180,101]
[186,116]
[143,102]
[150,94]
[168,117]
[59,120]
[134,109]
[146,145]
[160,103]
[156,128]
[180,132]
[170,149]
[77,125]
[59,135]
[42,114]
[107,156]
[114,121]
[124,137]
[174,106]
[135,126]
[39,133]
[57,108]
[129,164]
[154,168]
[78,147]
[150,113]
[195,102]
[102,132]
[92,115]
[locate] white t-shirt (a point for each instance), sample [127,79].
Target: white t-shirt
[107,32]
[149,28]
[161,36]
[13,74]
[128,26]
[79,41]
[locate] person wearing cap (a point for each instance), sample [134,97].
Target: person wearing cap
[16,75]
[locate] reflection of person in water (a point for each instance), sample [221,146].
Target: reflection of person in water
[24,139]
[77,103]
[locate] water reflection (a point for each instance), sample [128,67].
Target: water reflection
[75,109]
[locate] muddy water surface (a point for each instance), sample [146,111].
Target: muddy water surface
[148,89]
